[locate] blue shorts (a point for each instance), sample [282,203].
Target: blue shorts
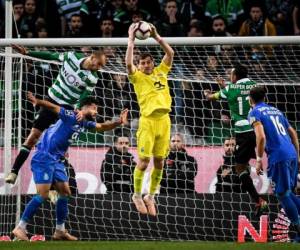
[46,170]
[283,175]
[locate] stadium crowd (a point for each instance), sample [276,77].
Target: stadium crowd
[104,18]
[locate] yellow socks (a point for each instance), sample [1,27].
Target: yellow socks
[138,177]
[156,177]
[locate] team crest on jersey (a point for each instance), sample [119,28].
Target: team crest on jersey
[46,177]
[69,112]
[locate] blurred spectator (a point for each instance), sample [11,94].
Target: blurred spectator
[219,27]
[107,27]
[193,9]
[257,24]
[93,11]
[296,18]
[171,24]
[76,27]
[195,30]
[123,18]
[66,9]
[18,11]
[137,16]
[117,167]
[231,10]
[280,13]
[42,32]
[228,180]
[29,20]
[180,168]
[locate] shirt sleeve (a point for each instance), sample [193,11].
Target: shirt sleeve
[67,116]
[224,92]
[164,68]
[89,124]
[133,77]
[285,122]
[254,116]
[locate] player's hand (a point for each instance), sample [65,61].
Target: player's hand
[131,31]
[123,116]
[207,92]
[31,98]
[20,49]
[153,32]
[79,115]
[221,82]
[259,168]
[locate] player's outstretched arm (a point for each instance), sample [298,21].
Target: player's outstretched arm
[294,137]
[109,125]
[46,55]
[129,52]
[42,103]
[168,58]
[260,145]
[211,96]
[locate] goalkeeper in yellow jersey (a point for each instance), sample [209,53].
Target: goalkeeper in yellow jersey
[153,135]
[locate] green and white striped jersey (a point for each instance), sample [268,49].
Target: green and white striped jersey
[237,95]
[72,83]
[67,8]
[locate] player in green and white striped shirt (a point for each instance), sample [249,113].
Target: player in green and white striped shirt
[237,95]
[76,80]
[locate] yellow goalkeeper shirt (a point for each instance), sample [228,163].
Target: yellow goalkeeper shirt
[152,91]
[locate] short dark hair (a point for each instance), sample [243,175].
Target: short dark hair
[98,53]
[75,15]
[89,100]
[240,71]
[219,17]
[144,55]
[257,94]
[18,2]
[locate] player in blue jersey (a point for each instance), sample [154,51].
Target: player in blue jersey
[46,165]
[275,135]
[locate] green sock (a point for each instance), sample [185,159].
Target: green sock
[156,177]
[138,177]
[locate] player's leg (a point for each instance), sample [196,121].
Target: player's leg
[245,150]
[284,176]
[64,192]
[160,152]
[145,142]
[42,170]
[43,120]
[138,177]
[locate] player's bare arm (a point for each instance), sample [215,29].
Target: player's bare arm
[109,125]
[210,96]
[294,137]
[20,49]
[260,145]
[169,52]
[129,52]
[43,103]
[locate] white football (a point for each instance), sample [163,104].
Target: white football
[143,30]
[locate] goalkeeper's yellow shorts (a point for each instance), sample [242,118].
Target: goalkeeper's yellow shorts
[153,136]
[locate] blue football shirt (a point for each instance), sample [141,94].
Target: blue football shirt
[279,146]
[58,137]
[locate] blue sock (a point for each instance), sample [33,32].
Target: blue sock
[32,207]
[61,209]
[296,200]
[289,207]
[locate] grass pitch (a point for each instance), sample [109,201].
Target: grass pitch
[145,245]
